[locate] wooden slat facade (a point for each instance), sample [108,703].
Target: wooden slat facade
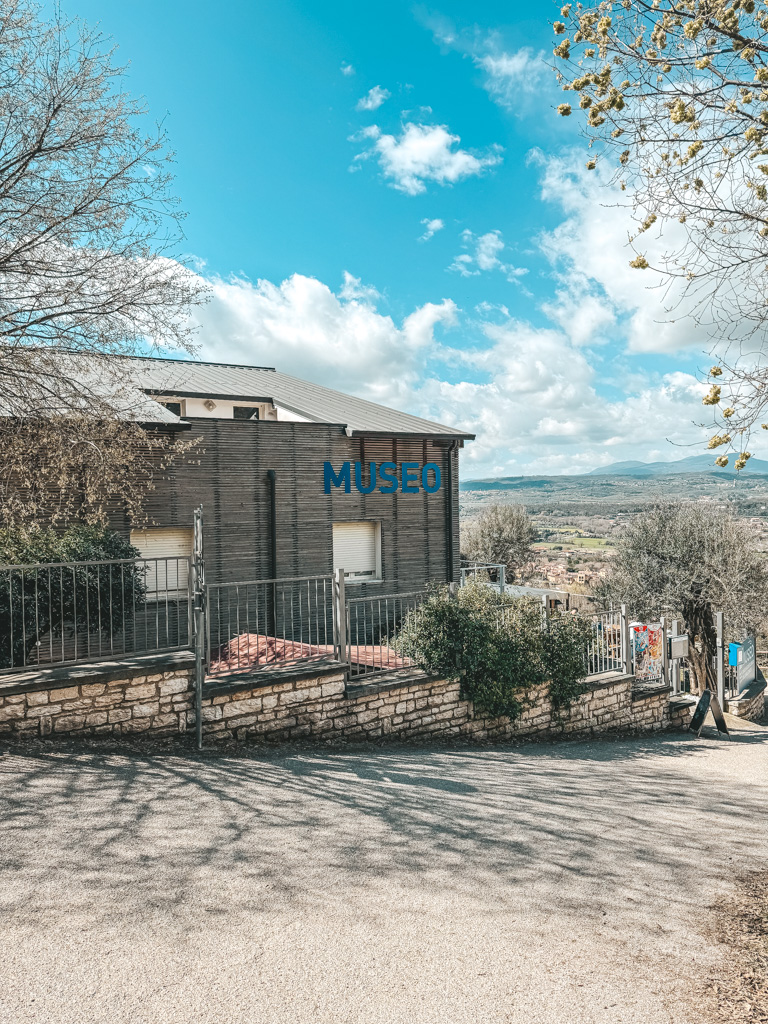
[227,475]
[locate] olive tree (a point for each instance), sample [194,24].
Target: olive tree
[674,100]
[499,648]
[502,535]
[690,560]
[90,268]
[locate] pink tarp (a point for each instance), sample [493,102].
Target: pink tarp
[255,649]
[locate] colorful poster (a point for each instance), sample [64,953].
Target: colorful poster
[647,640]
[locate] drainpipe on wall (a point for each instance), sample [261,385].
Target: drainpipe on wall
[449,539]
[272,478]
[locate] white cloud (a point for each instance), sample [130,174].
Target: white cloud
[484,255]
[347,70]
[431,227]
[423,153]
[302,327]
[590,252]
[508,75]
[531,395]
[353,288]
[539,408]
[373,99]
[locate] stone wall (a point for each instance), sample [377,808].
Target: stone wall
[145,694]
[155,695]
[750,704]
[408,708]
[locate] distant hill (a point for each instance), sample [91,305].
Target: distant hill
[700,468]
[692,464]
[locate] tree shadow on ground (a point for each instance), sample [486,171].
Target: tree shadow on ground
[601,824]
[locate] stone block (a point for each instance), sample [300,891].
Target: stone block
[144,692]
[119,715]
[92,689]
[37,698]
[146,710]
[176,685]
[66,693]
[335,686]
[210,714]
[68,723]
[137,725]
[11,712]
[96,718]
[251,705]
[292,697]
[27,725]
[345,721]
[78,705]
[44,709]
[107,700]
[166,723]
[367,716]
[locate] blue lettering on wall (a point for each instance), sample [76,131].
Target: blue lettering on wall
[371,478]
[412,477]
[410,474]
[430,489]
[387,475]
[337,481]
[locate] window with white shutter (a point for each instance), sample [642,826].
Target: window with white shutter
[167,549]
[357,550]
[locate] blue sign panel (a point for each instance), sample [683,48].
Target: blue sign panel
[386,478]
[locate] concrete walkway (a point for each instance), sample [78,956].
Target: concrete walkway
[561,884]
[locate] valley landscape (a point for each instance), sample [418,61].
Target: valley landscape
[578,517]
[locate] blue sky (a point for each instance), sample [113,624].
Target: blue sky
[383,199]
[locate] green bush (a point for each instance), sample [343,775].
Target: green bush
[497,647]
[51,598]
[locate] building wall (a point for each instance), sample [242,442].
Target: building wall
[158,700]
[227,475]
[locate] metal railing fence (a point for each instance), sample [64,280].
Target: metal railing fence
[62,613]
[257,624]
[372,631]
[483,572]
[604,650]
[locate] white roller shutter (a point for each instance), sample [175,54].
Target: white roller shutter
[167,548]
[357,550]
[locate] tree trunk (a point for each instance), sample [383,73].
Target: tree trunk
[700,626]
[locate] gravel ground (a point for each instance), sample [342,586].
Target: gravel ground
[542,884]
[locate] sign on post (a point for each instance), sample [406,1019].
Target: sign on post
[677,647]
[746,664]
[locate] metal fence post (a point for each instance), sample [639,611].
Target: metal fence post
[199,615]
[674,669]
[502,579]
[626,654]
[664,651]
[340,611]
[719,655]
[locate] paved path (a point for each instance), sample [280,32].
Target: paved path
[561,884]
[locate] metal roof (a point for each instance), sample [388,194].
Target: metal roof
[185,378]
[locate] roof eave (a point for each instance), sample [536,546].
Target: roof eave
[179,425]
[421,435]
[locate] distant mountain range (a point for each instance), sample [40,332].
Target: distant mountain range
[693,464]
